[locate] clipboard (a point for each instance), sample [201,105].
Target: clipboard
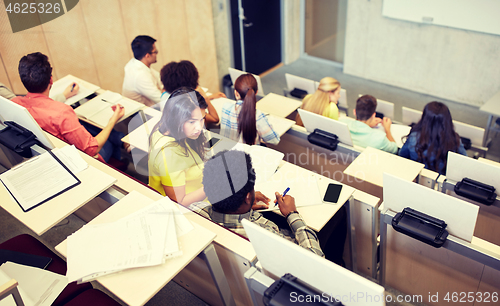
[28,205]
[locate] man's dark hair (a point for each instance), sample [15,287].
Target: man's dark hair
[35,72]
[178,74]
[227,179]
[142,45]
[365,107]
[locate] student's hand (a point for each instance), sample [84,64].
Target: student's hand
[386,123]
[70,91]
[260,197]
[261,201]
[375,122]
[119,111]
[286,204]
[217,95]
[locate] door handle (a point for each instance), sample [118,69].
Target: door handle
[247,25]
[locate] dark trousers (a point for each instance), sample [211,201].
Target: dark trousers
[112,147]
[331,237]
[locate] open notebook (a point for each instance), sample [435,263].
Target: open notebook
[99,109]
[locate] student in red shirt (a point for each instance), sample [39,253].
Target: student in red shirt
[55,117]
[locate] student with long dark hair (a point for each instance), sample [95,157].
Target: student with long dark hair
[432,137]
[178,147]
[242,121]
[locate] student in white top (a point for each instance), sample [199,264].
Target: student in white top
[142,83]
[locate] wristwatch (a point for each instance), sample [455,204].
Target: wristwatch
[291,213]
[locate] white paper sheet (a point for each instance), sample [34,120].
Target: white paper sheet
[183,226]
[71,158]
[60,85]
[36,180]
[144,238]
[36,286]
[127,243]
[303,188]
[265,161]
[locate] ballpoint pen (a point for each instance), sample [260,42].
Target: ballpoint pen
[284,194]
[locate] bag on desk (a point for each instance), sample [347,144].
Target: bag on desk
[298,93]
[17,138]
[323,139]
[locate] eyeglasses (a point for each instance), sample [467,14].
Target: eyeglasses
[154,52]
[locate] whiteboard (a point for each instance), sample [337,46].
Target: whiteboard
[474,15]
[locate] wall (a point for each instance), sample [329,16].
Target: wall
[220,9]
[291,30]
[92,41]
[455,64]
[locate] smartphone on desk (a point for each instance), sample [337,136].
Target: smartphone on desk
[332,193]
[213,141]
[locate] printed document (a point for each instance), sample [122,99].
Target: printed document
[71,158]
[37,180]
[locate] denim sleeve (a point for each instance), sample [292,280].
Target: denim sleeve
[461,149]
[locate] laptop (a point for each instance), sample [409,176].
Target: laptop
[314,121]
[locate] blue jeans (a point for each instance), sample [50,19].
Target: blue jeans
[112,146]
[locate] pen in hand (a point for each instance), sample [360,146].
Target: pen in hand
[284,194]
[73,87]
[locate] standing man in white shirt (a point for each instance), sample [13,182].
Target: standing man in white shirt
[142,83]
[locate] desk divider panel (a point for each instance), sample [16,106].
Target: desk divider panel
[474,133]
[460,216]
[235,73]
[279,256]
[459,166]
[410,116]
[293,81]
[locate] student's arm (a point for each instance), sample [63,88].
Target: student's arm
[67,93]
[265,129]
[405,150]
[179,195]
[304,235]
[70,91]
[262,199]
[386,123]
[461,149]
[103,136]
[212,116]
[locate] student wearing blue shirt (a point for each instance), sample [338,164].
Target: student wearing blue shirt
[432,137]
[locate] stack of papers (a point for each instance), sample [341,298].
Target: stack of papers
[71,158]
[99,109]
[36,286]
[145,238]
